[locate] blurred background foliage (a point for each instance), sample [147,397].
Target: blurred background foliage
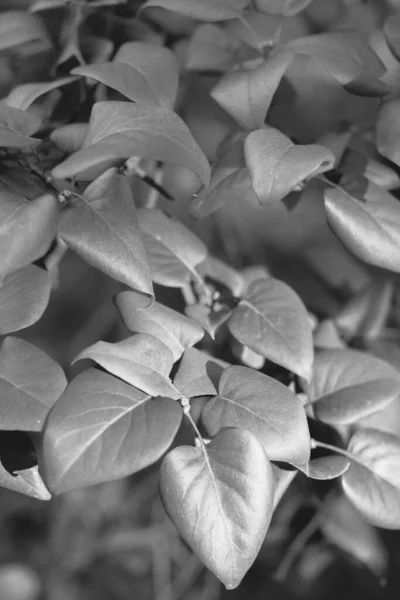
[114,541]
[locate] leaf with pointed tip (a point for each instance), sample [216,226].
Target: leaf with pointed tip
[206,10]
[102,429]
[141,360]
[24,95]
[198,374]
[346,56]
[24,296]
[388,130]
[101,226]
[220,499]
[19,27]
[27,229]
[326,468]
[372,483]
[246,93]
[172,249]
[277,166]
[272,321]
[27,482]
[268,409]
[30,384]
[174,329]
[120,130]
[369,228]
[348,385]
[391,29]
[17,127]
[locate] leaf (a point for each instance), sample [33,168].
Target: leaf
[348,385]
[246,93]
[16,127]
[327,336]
[210,49]
[27,482]
[198,374]
[174,329]
[220,499]
[101,226]
[19,27]
[348,58]
[325,468]
[39,5]
[30,384]
[391,29]
[369,228]
[102,429]
[24,296]
[208,318]
[122,129]
[22,96]
[69,138]
[268,409]
[206,10]
[141,360]
[222,273]
[27,229]
[388,130]
[372,483]
[278,7]
[277,165]
[173,251]
[140,71]
[272,321]
[283,478]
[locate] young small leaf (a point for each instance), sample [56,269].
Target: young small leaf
[171,327]
[198,374]
[372,482]
[30,384]
[102,429]
[206,10]
[172,249]
[268,409]
[220,499]
[101,227]
[277,165]
[348,385]
[141,360]
[272,321]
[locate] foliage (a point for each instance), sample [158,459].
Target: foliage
[88,139]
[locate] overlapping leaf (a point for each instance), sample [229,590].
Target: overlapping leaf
[173,251]
[30,384]
[22,96]
[277,166]
[101,226]
[206,10]
[370,227]
[272,321]
[141,360]
[348,385]
[391,29]
[220,499]
[120,130]
[17,127]
[198,374]
[27,482]
[103,429]
[372,482]
[19,27]
[388,130]
[268,409]
[174,329]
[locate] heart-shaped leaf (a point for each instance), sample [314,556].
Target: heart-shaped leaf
[120,130]
[391,29]
[348,58]
[24,296]
[246,93]
[24,95]
[141,360]
[102,429]
[277,165]
[268,409]
[17,127]
[370,228]
[172,249]
[206,10]
[348,385]
[140,71]
[198,374]
[101,226]
[272,321]
[372,482]
[30,384]
[388,130]
[27,229]
[220,499]
[174,329]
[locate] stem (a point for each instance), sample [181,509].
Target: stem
[317,444]
[186,409]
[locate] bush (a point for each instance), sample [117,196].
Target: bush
[258,297]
